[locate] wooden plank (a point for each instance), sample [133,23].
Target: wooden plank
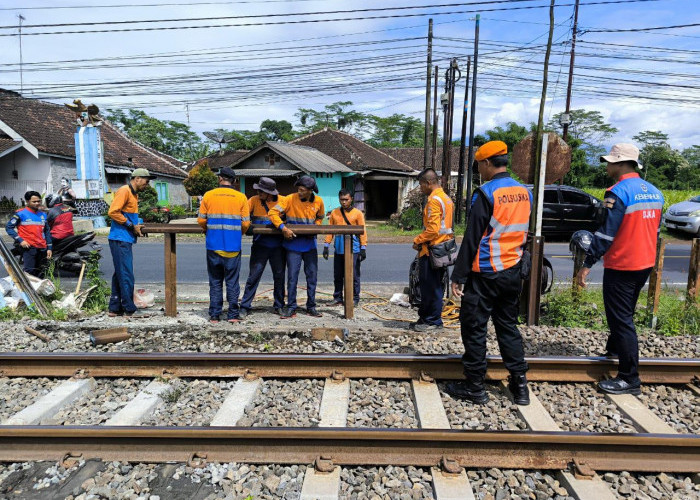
[334,403]
[349,297]
[640,414]
[451,486]
[431,411]
[655,283]
[534,414]
[170,275]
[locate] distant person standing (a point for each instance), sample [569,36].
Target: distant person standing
[627,243]
[224,215]
[29,228]
[125,228]
[437,229]
[266,248]
[488,277]
[302,207]
[351,216]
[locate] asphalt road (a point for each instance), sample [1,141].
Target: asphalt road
[386,263]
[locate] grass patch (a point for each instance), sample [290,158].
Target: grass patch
[671,196]
[585,309]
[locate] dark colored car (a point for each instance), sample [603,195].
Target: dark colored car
[568,209]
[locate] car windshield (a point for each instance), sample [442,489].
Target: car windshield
[695,199]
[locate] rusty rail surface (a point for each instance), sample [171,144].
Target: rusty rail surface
[382,366]
[170,231]
[345,446]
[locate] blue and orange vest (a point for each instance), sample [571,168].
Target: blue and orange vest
[225,214]
[124,207]
[501,246]
[634,245]
[29,226]
[311,211]
[258,215]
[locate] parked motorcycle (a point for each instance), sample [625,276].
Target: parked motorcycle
[69,253]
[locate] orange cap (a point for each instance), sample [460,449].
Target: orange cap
[491,148]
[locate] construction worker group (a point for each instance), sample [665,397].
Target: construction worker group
[489,266]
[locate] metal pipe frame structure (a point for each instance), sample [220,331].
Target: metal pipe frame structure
[381,366]
[170,231]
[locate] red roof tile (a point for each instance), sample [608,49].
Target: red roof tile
[217,161]
[50,128]
[351,151]
[413,157]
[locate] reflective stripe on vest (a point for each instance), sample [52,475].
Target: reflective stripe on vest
[501,245]
[443,229]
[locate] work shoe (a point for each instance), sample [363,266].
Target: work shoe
[425,327]
[242,314]
[313,312]
[517,385]
[288,313]
[469,391]
[610,355]
[213,320]
[336,303]
[278,310]
[357,303]
[113,314]
[620,386]
[136,314]
[234,320]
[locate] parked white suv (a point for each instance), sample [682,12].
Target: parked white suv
[684,216]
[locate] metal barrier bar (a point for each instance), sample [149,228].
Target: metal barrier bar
[171,230]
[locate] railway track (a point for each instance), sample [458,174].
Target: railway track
[656,447]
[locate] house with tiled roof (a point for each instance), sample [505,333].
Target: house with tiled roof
[381,182]
[220,159]
[37,149]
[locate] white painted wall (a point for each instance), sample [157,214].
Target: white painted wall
[33,174]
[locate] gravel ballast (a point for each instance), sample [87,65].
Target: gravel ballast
[18,392]
[381,404]
[578,407]
[285,403]
[662,486]
[499,414]
[386,483]
[501,484]
[678,407]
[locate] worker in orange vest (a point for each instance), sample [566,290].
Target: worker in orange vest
[487,276]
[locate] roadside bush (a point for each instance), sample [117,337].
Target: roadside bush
[200,180]
[411,215]
[178,211]
[671,196]
[677,317]
[583,309]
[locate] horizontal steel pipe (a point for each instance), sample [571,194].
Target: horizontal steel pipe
[513,450]
[301,229]
[381,366]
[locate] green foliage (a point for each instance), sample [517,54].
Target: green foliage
[590,128]
[276,130]
[564,307]
[411,217]
[7,205]
[171,395]
[396,130]
[337,115]
[178,211]
[677,317]
[167,136]
[148,201]
[200,180]
[664,166]
[671,196]
[98,299]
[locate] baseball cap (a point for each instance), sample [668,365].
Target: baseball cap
[141,172]
[622,152]
[227,173]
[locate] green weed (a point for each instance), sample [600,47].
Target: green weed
[98,300]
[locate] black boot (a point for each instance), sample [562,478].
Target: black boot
[517,385]
[470,390]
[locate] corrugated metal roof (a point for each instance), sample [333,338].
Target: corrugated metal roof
[308,159]
[265,172]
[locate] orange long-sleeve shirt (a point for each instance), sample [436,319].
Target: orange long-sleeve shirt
[297,211]
[355,217]
[437,221]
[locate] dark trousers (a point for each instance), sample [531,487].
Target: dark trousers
[34,260]
[222,269]
[294,260]
[495,296]
[259,257]
[620,293]
[122,298]
[431,284]
[339,276]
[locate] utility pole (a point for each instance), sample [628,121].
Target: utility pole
[426,138]
[470,174]
[451,76]
[462,147]
[540,156]
[433,155]
[566,119]
[187,107]
[21,76]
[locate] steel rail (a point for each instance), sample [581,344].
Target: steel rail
[381,366]
[519,449]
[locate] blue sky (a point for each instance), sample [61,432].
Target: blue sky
[234,77]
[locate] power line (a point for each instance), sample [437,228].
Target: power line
[654,28]
[119,6]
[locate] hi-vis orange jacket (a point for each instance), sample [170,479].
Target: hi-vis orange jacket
[297,211]
[437,221]
[225,216]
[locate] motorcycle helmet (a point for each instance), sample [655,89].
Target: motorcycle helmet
[580,239]
[52,200]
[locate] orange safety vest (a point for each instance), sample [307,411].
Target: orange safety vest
[501,245]
[437,221]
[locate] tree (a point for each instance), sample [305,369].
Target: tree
[277,130]
[511,134]
[590,128]
[169,137]
[395,131]
[200,179]
[338,115]
[663,166]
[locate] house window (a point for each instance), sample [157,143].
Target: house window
[163,194]
[272,158]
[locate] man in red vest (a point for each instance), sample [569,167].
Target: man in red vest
[627,243]
[487,276]
[30,231]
